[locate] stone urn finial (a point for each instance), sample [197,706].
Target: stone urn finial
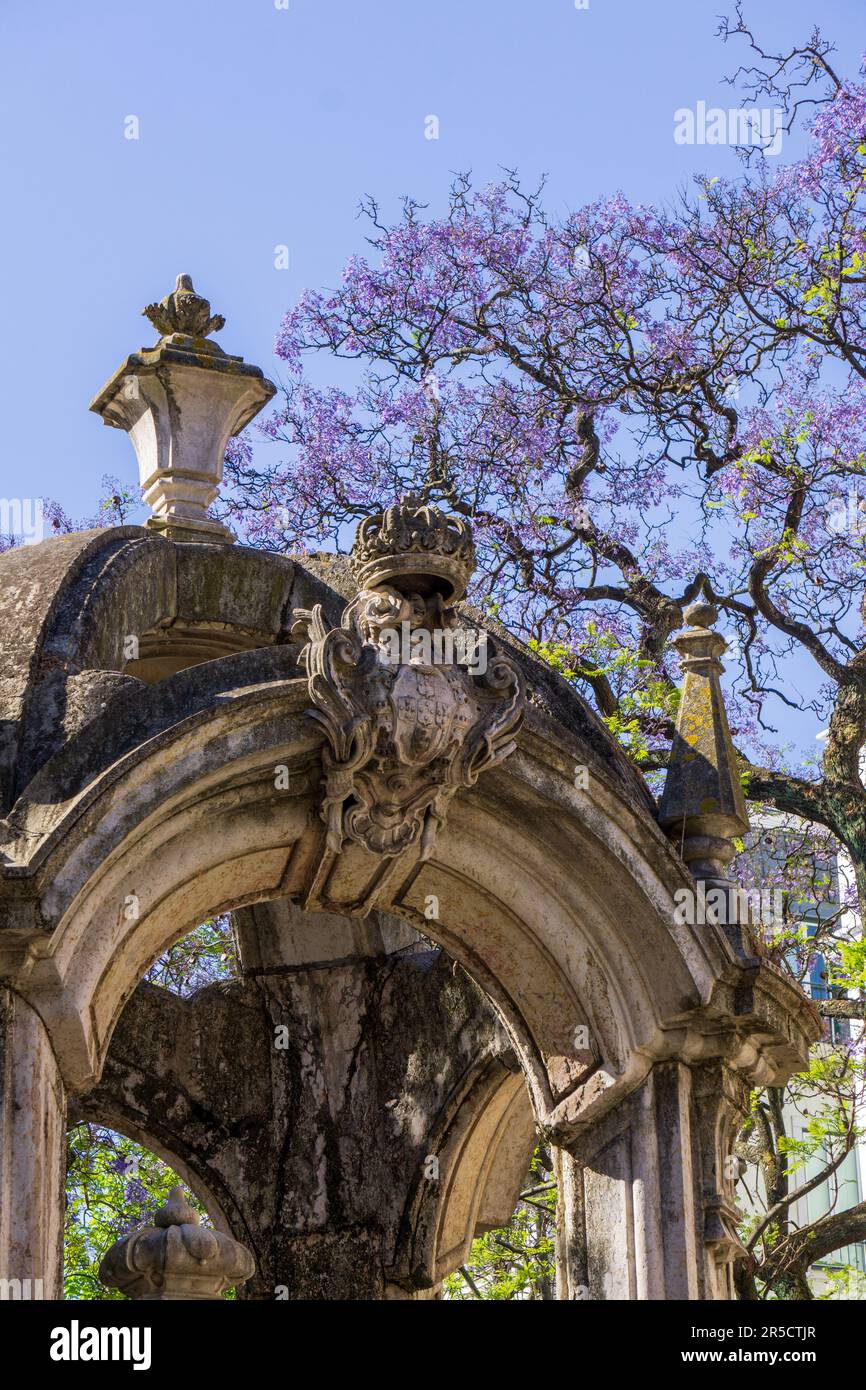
[183,312]
[176,1258]
[702,806]
[180,402]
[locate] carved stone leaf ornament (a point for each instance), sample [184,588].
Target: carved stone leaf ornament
[403,736]
[183,311]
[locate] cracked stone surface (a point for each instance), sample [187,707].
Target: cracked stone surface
[301,1102]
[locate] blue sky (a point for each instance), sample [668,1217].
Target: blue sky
[261,126]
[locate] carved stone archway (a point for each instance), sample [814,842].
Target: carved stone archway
[148,784]
[558,901]
[358,1157]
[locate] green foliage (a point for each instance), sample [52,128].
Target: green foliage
[202,957]
[846,1283]
[802,1138]
[848,970]
[517,1262]
[112,1186]
[646,702]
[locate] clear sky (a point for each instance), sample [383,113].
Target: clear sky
[262,126]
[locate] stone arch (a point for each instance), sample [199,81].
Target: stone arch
[149,806]
[189,822]
[483,1146]
[218,1204]
[406,1026]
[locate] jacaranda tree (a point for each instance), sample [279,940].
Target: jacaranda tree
[619,400]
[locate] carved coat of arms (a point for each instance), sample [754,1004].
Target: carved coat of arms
[403,737]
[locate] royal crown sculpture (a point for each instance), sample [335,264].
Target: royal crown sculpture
[414,706]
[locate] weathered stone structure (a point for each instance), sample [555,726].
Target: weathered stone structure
[188,726]
[317,1154]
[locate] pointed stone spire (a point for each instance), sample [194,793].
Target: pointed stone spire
[702,806]
[176,1258]
[180,402]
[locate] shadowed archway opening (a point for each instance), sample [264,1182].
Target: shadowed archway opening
[323,1080]
[515,1262]
[116,1182]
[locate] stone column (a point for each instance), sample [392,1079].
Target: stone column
[626,1217]
[646,1206]
[32,1155]
[180,402]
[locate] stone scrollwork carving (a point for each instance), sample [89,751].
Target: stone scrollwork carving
[410,717]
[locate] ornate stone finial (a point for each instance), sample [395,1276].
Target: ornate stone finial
[176,1258]
[415,547]
[177,1211]
[702,806]
[180,401]
[701,614]
[413,706]
[183,312]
